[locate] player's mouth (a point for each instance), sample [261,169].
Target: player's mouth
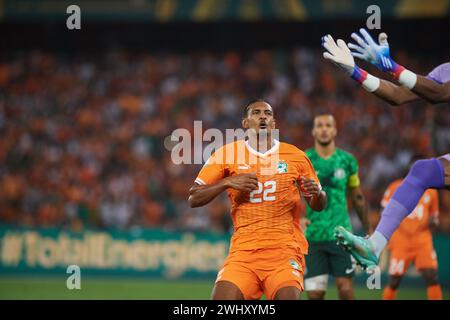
[263,125]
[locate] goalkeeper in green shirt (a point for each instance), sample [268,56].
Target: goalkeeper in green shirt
[338,174]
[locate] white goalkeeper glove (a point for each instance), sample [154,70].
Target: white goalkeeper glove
[341,55]
[338,53]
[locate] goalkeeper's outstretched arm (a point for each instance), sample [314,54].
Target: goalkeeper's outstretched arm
[432,91]
[379,55]
[394,94]
[340,54]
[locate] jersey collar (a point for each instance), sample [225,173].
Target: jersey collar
[274,148]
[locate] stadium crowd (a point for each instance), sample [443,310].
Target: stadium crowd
[83,135]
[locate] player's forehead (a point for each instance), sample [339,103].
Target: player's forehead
[261,106]
[324,119]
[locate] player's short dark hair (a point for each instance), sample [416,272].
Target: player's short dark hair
[323,114]
[247,107]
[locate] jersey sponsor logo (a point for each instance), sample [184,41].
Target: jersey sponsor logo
[281,167]
[339,173]
[296,273]
[244,167]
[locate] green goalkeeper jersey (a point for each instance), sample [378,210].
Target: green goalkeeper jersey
[336,174]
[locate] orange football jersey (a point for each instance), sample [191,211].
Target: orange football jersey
[268,216]
[415,225]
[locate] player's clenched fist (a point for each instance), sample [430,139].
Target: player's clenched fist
[246,182]
[310,187]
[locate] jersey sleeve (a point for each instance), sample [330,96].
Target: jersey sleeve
[213,170]
[434,203]
[353,178]
[440,74]
[306,170]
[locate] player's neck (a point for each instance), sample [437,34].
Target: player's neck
[325,151]
[262,145]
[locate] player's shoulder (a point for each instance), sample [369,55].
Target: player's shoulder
[345,154]
[311,152]
[227,151]
[231,146]
[291,149]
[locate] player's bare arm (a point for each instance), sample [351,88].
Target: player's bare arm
[360,206]
[200,195]
[394,94]
[432,91]
[315,196]
[378,54]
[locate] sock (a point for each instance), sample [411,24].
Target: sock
[389,293]
[423,174]
[434,292]
[378,241]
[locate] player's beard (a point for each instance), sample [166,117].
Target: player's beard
[325,143]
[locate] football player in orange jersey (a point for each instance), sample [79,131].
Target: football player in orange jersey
[413,242]
[262,177]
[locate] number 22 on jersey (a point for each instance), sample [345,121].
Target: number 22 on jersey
[267,189]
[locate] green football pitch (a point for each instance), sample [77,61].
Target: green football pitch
[14,287]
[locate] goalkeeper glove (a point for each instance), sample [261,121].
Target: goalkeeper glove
[378,54]
[340,54]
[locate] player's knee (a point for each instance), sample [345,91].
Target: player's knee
[345,288]
[287,293]
[394,282]
[316,295]
[345,293]
[430,276]
[426,174]
[225,290]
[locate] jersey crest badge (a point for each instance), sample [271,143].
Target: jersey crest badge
[339,174]
[281,167]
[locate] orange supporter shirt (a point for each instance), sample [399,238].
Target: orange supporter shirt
[415,226]
[268,217]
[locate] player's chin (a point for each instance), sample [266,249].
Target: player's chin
[263,130]
[324,142]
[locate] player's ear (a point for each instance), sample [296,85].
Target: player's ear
[245,123]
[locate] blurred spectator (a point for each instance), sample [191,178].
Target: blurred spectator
[83,136]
